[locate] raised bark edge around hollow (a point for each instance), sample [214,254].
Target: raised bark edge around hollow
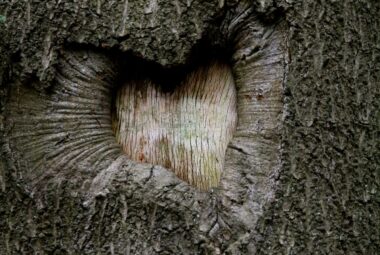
[224,219]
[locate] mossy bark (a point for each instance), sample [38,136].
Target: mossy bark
[301,173]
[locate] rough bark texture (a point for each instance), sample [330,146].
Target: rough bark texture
[329,198]
[66,192]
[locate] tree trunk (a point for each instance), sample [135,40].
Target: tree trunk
[282,158]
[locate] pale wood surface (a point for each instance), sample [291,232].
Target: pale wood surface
[186,130]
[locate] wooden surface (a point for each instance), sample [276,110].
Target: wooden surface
[186,129]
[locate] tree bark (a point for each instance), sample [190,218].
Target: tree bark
[300,173]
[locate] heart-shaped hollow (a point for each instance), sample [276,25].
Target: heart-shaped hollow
[186,129]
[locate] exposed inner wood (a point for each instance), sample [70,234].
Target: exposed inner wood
[186,130]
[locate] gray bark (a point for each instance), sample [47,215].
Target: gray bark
[301,173]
